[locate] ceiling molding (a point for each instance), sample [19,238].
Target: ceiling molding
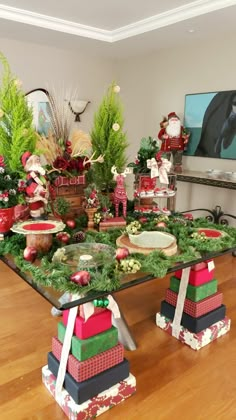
[55,24]
[170,17]
[188,11]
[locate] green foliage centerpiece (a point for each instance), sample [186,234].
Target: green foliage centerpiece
[108,139]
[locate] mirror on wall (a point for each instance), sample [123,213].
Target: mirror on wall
[38,99]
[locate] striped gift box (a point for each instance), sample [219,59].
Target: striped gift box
[81,371]
[196,309]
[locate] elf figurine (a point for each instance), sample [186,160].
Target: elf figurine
[36,186]
[174,140]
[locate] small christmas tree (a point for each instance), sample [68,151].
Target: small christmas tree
[17,134]
[108,139]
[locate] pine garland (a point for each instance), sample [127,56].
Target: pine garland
[108,277]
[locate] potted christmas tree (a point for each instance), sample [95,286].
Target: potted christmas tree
[108,139]
[17,132]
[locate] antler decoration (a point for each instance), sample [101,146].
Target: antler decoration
[127,171]
[90,160]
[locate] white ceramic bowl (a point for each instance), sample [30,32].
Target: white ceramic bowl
[152,239]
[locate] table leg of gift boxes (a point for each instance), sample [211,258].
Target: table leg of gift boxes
[87,373]
[192,310]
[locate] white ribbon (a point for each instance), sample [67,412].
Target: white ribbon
[66,348]
[161,170]
[180,302]
[88,308]
[152,164]
[164,168]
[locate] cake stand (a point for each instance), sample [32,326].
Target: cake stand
[39,233]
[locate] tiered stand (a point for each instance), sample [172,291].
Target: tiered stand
[97,375]
[192,310]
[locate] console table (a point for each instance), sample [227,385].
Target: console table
[194,177]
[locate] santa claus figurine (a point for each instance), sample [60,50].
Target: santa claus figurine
[174,140]
[36,186]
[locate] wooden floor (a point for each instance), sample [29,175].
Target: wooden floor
[173,381]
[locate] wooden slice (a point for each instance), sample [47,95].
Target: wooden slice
[124,242]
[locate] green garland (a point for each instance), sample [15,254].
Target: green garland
[108,278]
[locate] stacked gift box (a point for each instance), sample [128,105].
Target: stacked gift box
[204,315]
[97,374]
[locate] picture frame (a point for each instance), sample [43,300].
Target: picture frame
[211,120]
[38,100]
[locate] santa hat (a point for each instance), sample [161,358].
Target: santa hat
[172,115]
[25,157]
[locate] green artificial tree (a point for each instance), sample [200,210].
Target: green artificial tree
[17,134]
[108,139]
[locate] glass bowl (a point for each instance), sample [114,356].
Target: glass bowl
[85,255]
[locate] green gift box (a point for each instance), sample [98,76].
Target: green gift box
[195,293]
[84,349]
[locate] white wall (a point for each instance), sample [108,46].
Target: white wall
[40,66]
[154,85]
[151,86]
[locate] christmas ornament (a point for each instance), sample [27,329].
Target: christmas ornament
[30,253]
[116,127]
[143,219]
[63,237]
[79,236]
[81,277]
[101,303]
[161,224]
[121,253]
[70,223]
[116,89]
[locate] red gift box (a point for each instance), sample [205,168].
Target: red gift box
[97,310]
[81,371]
[96,324]
[196,278]
[196,309]
[201,265]
[62,181]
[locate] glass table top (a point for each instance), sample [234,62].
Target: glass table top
[127,281]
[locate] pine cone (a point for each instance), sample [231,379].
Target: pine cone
[79,236]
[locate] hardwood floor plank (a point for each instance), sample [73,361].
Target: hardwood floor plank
[173,381]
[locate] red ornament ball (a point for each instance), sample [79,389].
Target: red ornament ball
[143,219]
[30,253]
[122,253]
[161,224]
[70,223]
[81,277]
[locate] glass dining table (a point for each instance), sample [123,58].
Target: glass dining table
[128,281]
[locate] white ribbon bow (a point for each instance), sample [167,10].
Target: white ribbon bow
[160,171]
[164,168]
[152,164]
